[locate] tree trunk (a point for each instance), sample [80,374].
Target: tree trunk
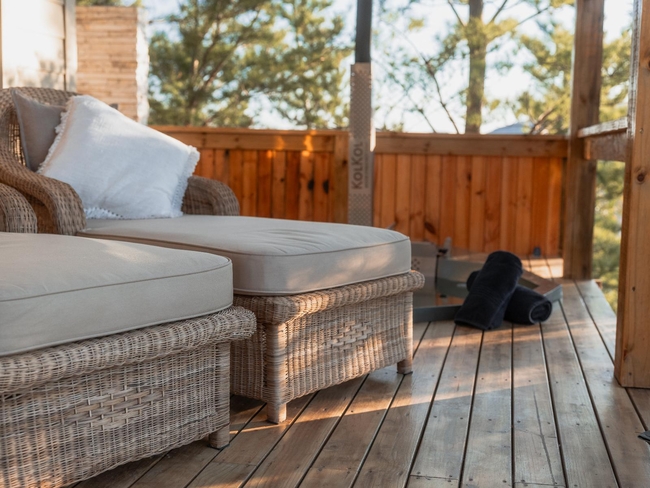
[477,43]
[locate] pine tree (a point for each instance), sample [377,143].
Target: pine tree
[545,106]
[308,76]
[202,66]
[218,55]
[474,35]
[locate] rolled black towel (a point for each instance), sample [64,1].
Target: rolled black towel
[526,306]
[485,305]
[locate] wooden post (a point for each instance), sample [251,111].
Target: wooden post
[339,179]
[580,189]
[632,363]
[70,20]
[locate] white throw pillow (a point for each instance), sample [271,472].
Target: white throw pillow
[119,168]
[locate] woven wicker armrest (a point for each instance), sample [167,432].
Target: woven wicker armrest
[209,197]
[16,215]
[57,206]
[32,369]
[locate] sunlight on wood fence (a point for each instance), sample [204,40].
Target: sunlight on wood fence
[485,192]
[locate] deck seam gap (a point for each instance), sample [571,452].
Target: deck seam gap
[372,442]
[553,405]
[636,408]
[471,410]
[278,441]
[222,450]
[162,455]
[329,435]
[627,390]
[433,396]
[591,398]
[582,298]
[512,404]
[383,418]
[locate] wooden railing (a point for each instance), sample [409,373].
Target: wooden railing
[607,141]
[485,192]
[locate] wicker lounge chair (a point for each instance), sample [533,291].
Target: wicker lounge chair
[75,402]
[306,340]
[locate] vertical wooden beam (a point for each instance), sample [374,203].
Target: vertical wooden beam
[339,179]
[632,362]
[70,46]
[580,187]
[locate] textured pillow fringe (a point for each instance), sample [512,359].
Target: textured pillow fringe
[190,166]
[59,134]
[101,213]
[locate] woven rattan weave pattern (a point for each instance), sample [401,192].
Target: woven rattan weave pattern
[57,206]
[72,411]
[16,215]
[308,342]
[55,203]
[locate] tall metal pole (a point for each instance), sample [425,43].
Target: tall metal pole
[362,131]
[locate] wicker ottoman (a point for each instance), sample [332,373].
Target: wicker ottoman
[357,321]
[304,343]
[109,352]
[70,412]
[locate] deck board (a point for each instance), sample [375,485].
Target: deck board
[290,459]
[583,449]
[180,466]
[618,418]
[536,452]
[442,449]
[601,313]
[234,465]
[488,458]
[388,462]
[341,458]
[523,406]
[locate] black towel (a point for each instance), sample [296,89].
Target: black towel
[526,306]
[485,305]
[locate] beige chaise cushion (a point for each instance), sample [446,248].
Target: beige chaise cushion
[273,256]
[58,289]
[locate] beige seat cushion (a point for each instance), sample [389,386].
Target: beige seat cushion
[273,256]
[58,289]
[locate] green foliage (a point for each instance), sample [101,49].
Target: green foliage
[607,228]
[220,54]
[477,32]
[202,72]
[306,67]
[616,75]
[546,105]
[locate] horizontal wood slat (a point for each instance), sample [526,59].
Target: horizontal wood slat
[387,142]
[482,200]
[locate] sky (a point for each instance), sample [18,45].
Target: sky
[438,16]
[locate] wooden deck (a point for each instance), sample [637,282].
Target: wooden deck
[519,406]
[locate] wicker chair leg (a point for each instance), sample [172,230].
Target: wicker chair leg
[221,438]
[276,414]
[405,366]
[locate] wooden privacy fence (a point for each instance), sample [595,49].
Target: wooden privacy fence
[485,192]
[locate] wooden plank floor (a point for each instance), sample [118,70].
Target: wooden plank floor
[520,406]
